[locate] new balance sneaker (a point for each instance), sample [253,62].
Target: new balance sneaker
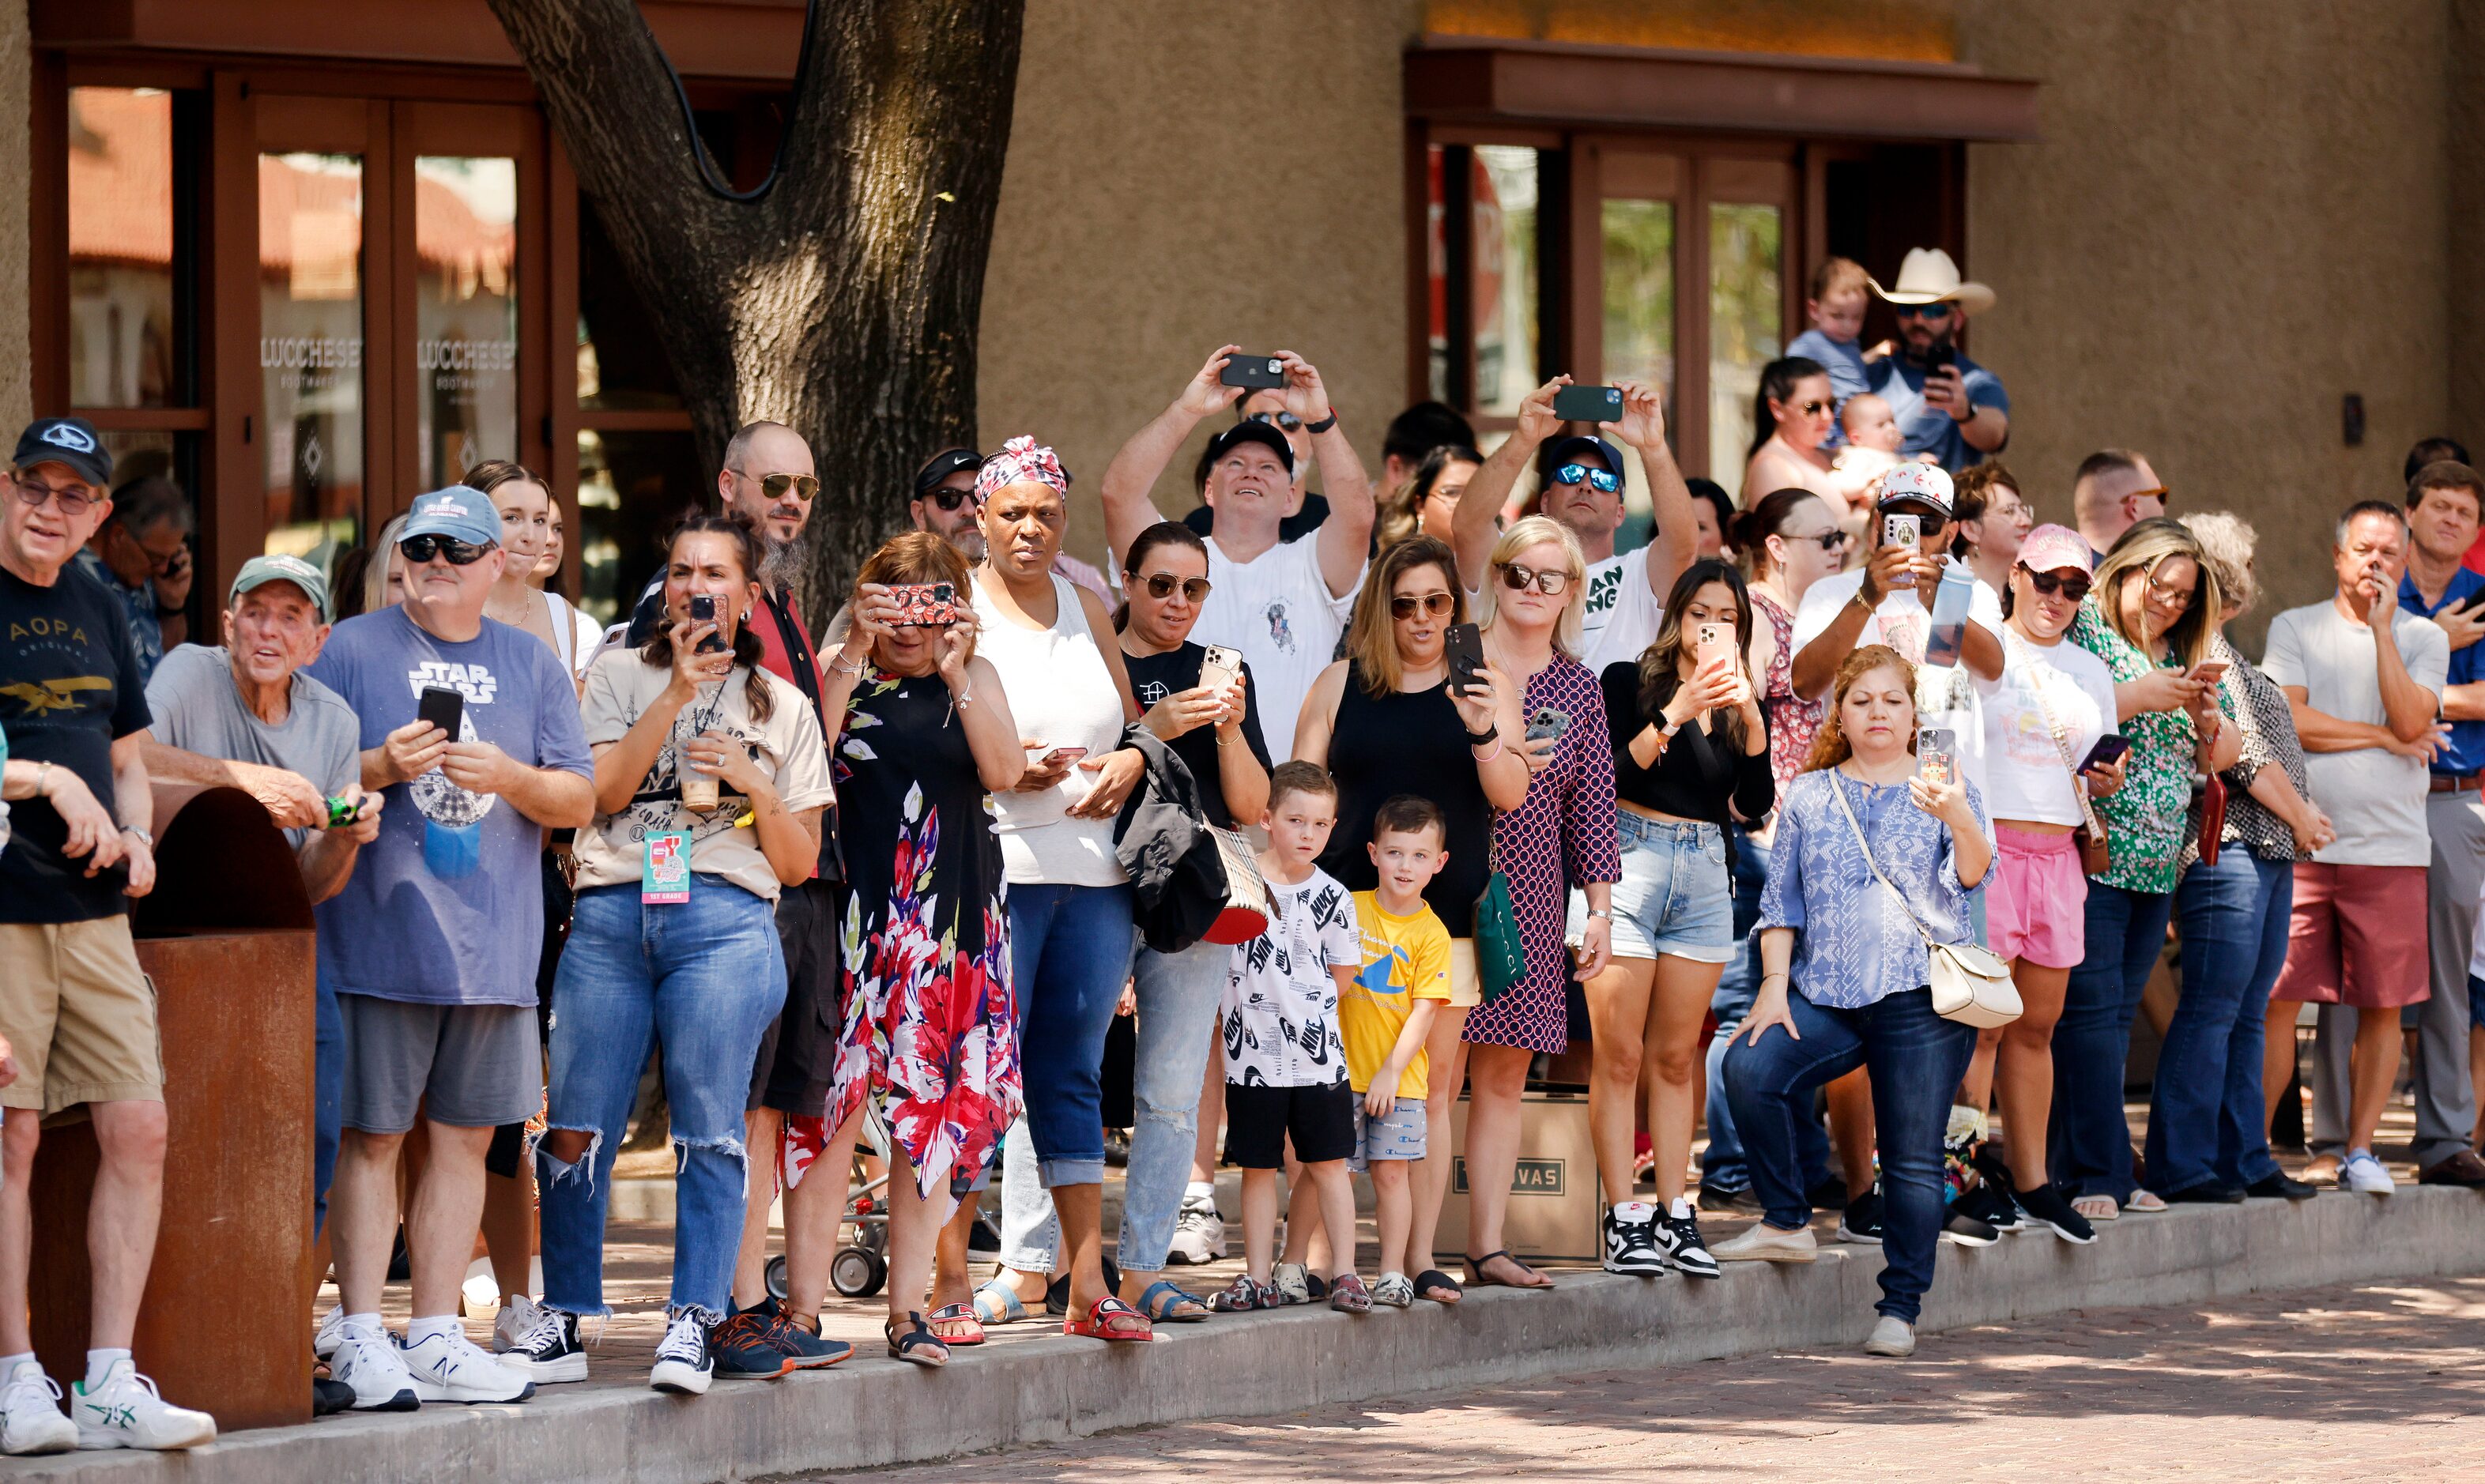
[741,1350]
[683,1363]
[1861,1221]
[799,1341]
[371,1363]
[1677,1232]
[1198,1232]
[128,1412]
[329,1333]
[1630,1231]
[547,1351]
[448,1367]
[2365,1174]
[31,1420]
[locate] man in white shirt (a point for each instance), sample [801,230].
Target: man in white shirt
[1283,603]
[1583,491]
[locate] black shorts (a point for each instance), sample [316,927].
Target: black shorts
[1258,1118]
[799,1054]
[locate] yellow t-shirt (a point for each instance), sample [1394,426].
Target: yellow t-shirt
[1404,960]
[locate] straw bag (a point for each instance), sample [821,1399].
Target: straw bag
[1970,984]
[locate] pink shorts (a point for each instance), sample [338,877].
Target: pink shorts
[2036,909]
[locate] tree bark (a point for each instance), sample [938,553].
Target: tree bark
[843,303]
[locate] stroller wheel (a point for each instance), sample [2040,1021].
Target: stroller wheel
[776,1278]
[857,1272]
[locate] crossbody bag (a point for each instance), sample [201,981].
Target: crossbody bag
[1970,984]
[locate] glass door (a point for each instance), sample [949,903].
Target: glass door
[314,203]
[1746,206]
[465,360]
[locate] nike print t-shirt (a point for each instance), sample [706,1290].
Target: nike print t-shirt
[69,687]
[1280,1012]
[441,907]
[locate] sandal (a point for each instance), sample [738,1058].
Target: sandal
[956,1324]
[918,1345]
[1438,1286]
[1239,1297]
[1163,1302]
[1476,1274]
[1056,1293]
[2145,1202]
[2098,1208]
[1004,1305]
[1109,1319]
[1347,1295]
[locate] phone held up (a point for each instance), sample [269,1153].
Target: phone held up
[924,605]
[1937,755]
[1712,643]
[1220,667]
[1465,648]
[1259,374]
[703,611]
[1906,530]
[1588,404]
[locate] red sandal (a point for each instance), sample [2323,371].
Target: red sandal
[1111,1319]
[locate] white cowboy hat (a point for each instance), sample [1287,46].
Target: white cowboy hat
[1930,277]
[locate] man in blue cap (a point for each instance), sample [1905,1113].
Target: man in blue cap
[434,978]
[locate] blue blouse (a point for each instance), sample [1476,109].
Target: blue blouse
[1854,945]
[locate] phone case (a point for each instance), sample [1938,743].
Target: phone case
[443,708]
[1264,373]
[1588,404]
[1219,666]
[925,604]
[1937,754]
[1465,647]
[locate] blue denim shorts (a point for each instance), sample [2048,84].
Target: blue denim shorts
[1674,897]
[1397,1136]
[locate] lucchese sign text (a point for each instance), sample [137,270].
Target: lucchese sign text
[1532,1178]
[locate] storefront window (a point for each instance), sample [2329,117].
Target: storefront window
[620,367]
[1505,200]
[311,349]
[1746,322]
[122,224]
[466,312]
[631,487]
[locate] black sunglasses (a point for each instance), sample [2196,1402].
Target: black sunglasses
[948,500]
[1434,605]
[2048,584]
[1284,420]
[1815,409]
[418,549]
[1160,586]
[1921,310]
[1517,579]
[1830,540]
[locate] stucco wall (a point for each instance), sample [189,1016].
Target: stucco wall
[17,390]
[2238,213]
[1146,218]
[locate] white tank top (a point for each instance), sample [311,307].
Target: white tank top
[1060,691]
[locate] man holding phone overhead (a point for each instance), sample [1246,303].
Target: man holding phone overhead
[1282,604]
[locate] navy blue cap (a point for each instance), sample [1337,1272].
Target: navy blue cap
[1569,448]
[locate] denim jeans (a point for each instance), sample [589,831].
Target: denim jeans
[1069,955]
[2206,1119]
[1916,1058]
[327,1096]
[1721,1163]
[1177,994]
[701,979]
[2126,932]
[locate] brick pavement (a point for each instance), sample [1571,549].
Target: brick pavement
[2347,1382]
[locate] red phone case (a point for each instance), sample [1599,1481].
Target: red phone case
[925,604]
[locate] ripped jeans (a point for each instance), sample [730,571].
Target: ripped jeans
[701,980]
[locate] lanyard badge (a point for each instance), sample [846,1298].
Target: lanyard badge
[665,872]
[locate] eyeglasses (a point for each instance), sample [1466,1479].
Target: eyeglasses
[946,499]
[2155,492]
[1160,586]
[418,549]
[1434,605]
[1815,409]
[1550,581]
[1284,420]
[1921,310]
[158,562]
[1604,481]
[2048,584]
[73,503]
[775,486]
[2171,597]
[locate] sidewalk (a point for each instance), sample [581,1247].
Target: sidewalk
[1032,1384]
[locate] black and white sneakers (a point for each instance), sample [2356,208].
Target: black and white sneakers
[1677,1234]
[1632,1240]
[683,1363]
[547,1351]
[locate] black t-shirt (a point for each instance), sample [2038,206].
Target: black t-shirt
[69,687]
[1176,670]
[1698,772]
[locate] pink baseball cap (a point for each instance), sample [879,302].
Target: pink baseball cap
[2051,548]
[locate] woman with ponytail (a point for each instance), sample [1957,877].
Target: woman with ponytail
[674,944]
[1792,413]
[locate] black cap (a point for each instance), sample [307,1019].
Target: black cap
[70,440]
[944,464]
[1569,448]
[1265,434]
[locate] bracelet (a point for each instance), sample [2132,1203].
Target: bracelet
[1607,913]
[1490,756]
[963,697]
[1323,425]
[838,662]
[1219,736]
[1766,978]
[42,775]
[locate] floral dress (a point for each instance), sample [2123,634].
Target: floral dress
[2146,816]
[1793,721]
[930,1018]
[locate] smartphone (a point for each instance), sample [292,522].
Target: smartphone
[1260,373]
[1937,754]
[443,708]
[2209,671]
[703,611]
[1939,355]
[1064,755]
[2107,750]
[924,605]
[1547,722]
[1712,642]
[1220,667]
[1947,635]
[1588,404]
[1466,649]
[1906,530]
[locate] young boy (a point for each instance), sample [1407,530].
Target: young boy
[1841,291]
[1285,1065]
[1386,1014]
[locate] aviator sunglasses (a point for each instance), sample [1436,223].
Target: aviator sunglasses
[1160,586]
[1434,605]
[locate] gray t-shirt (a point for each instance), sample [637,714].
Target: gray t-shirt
[2374,797]
[198,707]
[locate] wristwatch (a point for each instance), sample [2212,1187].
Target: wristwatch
[1323,425]
[1607,913]
[144,838]
[1479,738]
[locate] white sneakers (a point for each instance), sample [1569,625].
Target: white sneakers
[1761,1242]
[1198,1232]
[329,1333]
[2365,1174]
[448,1367]
[31,1420]
[127,1411]
[371,1364]
[1892,1337]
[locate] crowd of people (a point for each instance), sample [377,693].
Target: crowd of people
[1837,820]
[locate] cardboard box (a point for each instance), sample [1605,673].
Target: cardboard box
[1553,1199]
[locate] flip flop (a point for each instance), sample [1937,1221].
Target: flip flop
[1438,1286]
[1161,1299]
[956,1324]
[1476,1274]
[1005,1306]
[1109,1319]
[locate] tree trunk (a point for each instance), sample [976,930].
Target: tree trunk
[844,302]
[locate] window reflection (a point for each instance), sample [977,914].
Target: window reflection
[311,349]
[120,248]
[466,312]
[1746,320]
[620,367]
[631,488]
[1505,277]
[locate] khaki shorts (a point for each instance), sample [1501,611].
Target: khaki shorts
[1466,990]
[78,1015]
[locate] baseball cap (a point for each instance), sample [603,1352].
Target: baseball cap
[1917,483]
[1265,435]
[458,512]
[2051,548]
[259,571]
[1565,450]
[944,464]
[70,441]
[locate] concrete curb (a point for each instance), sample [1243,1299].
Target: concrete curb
[1057,1387]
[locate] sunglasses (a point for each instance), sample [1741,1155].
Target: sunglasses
[2048,584]
[2155,492]
[418,549]
[1160,586]
[1815,409]
[34,492]
[1550,581]
[1830,540]
[1284,420]
[1921,310]
[948,499]
[1604,481]
[775,486]
[1434,605]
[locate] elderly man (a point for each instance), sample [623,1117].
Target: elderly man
[2114,490]
[434,975]
[74,1008]
[142,555]
[1947,405]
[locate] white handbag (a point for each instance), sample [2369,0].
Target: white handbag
[1970,984]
